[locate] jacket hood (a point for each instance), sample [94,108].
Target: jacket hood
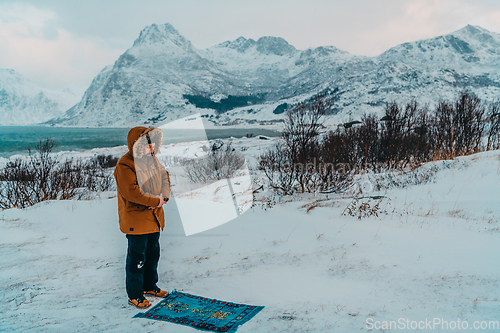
[137,140]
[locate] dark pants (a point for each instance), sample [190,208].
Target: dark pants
[142,263]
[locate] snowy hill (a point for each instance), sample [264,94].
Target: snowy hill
[24,103]
[164,77]
[470,48]
[430,253]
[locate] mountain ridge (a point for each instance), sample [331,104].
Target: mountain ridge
[163,77]
[24,103]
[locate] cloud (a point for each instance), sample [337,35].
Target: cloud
[493,21]
[420,19]
[33,44]
[26,20]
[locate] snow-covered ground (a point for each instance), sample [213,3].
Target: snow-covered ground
[432,252]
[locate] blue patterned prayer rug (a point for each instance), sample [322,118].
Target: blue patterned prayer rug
[200,312]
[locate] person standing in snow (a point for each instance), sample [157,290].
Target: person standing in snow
[143,187]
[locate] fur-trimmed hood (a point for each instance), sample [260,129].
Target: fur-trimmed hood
[137,140]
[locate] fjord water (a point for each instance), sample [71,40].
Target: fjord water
[17,139]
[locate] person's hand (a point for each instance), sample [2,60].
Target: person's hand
[162,202]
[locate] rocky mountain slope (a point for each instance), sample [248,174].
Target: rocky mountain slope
[24,103]
[163,77]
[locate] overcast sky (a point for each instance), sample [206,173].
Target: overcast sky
[61,44]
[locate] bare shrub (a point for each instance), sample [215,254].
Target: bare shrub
[220,163]
[25,182]
[277,166]
[404,138]
[332,178]
[266,202]
[106,161]
[363,207]
[302,126]
[295,163]
[460,127]
[493,126]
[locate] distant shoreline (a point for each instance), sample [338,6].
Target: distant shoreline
[14,140]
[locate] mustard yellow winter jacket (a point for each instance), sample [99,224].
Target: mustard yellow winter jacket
[139,181]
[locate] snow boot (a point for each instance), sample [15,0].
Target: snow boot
[156,292]
[139,302]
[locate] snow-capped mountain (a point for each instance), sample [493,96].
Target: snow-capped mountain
[164,77]
[428,70]
[24,103]
[467,49]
